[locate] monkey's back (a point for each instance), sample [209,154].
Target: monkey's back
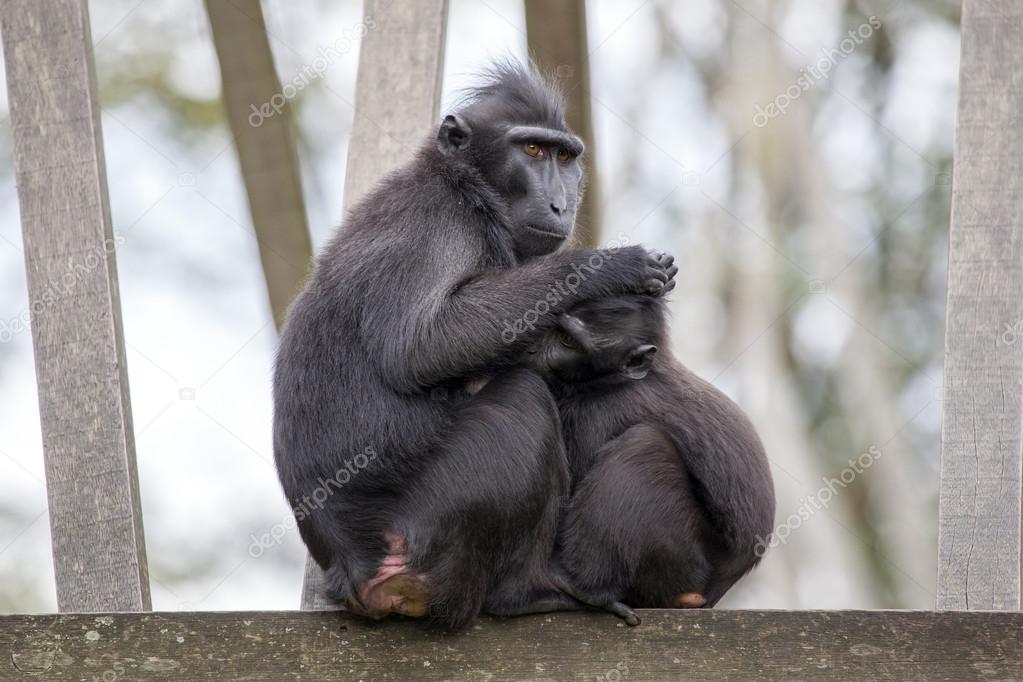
[714,438]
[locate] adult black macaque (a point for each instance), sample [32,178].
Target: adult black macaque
[423,290]
[671,487]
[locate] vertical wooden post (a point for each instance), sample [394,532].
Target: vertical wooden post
[397,97]
[92,483]
[981,479]
[557,37]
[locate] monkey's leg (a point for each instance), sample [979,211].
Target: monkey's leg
[485,504]
[634,529]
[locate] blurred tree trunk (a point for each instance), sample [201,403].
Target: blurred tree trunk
[762,300]
[260,119]
[557,42]
[796,191]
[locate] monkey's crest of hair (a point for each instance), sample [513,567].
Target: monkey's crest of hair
[523,94]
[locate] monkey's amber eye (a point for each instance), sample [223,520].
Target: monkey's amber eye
[563,155]
[566,340]
[533,149]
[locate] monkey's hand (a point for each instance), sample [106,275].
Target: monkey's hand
[639,270]
[665,263]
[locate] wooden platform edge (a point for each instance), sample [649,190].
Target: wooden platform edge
[297,645]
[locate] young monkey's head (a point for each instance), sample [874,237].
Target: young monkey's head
[607,339]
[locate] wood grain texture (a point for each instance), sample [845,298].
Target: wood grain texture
[397,90]
[88,443]
[669,645]
[259,114]
[397,98]
[557,36]
[981,480]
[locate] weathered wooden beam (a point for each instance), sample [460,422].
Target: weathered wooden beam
[557,36]
[88,443]
[259,114]
[981,475]
[397,97]
[397,90]
[669,645]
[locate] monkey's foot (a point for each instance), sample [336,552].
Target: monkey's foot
[394,588]
[690,600]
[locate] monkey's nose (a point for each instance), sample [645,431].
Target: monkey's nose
[557,208]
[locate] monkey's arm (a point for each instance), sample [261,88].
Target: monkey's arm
[485,321]
[725,455]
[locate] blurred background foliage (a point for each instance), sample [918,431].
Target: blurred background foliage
[812,249]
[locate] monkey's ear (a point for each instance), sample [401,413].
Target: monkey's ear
[454,134]
[639,360]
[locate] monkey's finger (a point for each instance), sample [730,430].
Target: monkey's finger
[658,274]
[668,287]
[657,259]
[653,286]
[672,271]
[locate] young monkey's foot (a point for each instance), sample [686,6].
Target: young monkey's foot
[394,588]
[689,600]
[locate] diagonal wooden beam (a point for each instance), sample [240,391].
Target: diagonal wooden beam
[259,115]
[99,551]
[982,415]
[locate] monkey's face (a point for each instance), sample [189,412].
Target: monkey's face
[535,169]
[594,345]
[541,179]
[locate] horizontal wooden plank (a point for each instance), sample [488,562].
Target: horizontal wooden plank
[293,645]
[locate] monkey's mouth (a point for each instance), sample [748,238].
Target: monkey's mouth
[548,233]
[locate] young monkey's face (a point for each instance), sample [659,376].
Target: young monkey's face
[596,341]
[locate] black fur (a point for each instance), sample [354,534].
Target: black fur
[672,489]
[417,294]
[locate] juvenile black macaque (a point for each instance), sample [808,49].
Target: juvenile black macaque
[671,486]
[424,288]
